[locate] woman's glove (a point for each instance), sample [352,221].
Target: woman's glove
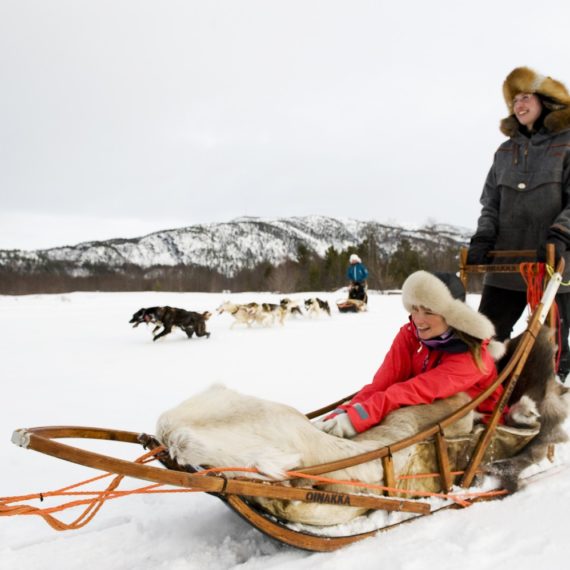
[340,425]
[333,414]
[479,247]
[560,243]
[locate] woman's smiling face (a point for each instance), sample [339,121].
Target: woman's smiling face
[527,108]
[428,324]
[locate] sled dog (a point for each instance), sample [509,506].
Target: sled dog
[242,314]
[315,307]
[290,306]
[168,317]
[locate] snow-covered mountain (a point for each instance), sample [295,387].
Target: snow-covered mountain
[240,244]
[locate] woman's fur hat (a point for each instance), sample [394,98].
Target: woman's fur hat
[426,290]
[553,94]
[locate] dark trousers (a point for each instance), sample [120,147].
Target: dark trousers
[504,308]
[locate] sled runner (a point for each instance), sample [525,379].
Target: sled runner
[434,451]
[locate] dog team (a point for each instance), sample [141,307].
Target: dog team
[191,322]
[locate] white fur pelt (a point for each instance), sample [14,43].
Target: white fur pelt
[220,427]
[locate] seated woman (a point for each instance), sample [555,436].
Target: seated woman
[441,351]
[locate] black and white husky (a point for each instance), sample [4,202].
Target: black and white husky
[315,307]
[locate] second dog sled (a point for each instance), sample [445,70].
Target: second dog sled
[357,300]
[444,456]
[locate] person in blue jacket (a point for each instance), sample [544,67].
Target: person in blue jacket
[357,275]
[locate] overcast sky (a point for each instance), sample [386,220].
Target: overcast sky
[122,117]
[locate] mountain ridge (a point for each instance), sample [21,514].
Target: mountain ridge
[242,243]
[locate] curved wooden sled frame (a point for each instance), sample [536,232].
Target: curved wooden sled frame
[235,491]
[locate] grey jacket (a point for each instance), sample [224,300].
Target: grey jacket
[526,196]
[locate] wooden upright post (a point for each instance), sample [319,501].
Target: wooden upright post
[551,260]
[462,264]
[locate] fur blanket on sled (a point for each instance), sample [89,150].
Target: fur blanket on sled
[222,427]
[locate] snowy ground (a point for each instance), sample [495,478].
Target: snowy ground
[74,360]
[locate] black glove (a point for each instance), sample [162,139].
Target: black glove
[479,247]
[559,248]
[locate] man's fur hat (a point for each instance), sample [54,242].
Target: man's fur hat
[553,94]
[426,290]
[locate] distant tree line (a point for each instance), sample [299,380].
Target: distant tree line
[309,272]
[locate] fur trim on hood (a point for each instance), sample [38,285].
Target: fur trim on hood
[425,289]
[555,98]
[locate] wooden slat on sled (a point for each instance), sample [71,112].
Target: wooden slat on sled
[495,267]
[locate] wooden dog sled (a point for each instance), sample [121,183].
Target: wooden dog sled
[489,443]
[357,300]
[351,306]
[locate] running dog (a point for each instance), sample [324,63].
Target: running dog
[263,314]
[316,306]
[275,312]
[167,317]
[244,314]
[290,306]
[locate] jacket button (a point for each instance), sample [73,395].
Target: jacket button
[521,186]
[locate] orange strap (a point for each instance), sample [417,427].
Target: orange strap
[93,505]
[533,275]
[97,499]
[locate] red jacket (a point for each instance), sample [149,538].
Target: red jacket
[413,374]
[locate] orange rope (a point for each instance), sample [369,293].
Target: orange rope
[94,503]
[533,275]
[459,499]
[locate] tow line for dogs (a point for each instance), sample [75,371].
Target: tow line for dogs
[97,498]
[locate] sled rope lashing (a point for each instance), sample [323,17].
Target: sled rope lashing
[456,498]
[550,271]
[93,505]
[98,498]
[42,439]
